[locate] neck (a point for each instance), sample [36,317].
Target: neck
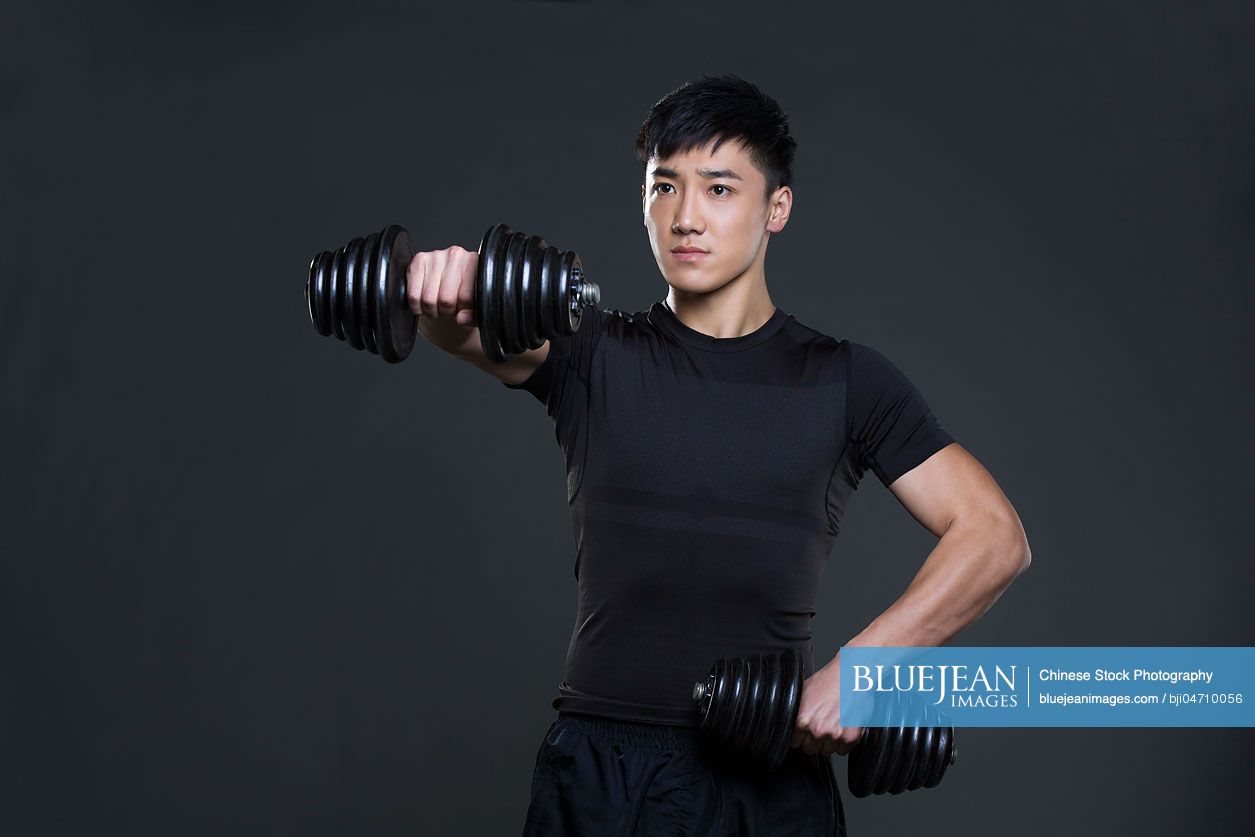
[734,310]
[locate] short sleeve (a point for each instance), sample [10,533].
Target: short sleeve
[892,429]
[563,379]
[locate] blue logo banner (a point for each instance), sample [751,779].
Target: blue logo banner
[991,686]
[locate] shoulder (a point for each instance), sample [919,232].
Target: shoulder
[610,316]
[621,323]
[597,320]
[863,355]
[872,374]
[804,338]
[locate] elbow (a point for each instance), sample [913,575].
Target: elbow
[1013,546]
[1026,557]
[1006,544]
[1019,555]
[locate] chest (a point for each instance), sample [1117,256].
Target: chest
[671,428]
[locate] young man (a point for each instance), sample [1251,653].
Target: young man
[712,443]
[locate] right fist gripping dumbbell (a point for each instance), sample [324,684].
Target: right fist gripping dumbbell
[524,291]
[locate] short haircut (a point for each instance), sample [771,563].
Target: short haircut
[721,108]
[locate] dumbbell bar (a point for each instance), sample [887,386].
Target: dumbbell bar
[526,292]
[749,708]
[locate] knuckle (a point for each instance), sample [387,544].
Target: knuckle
[414,277]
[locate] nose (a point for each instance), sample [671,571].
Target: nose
[688,218]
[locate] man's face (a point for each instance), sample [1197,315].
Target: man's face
[714,202]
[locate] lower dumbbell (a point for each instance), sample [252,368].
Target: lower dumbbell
[526,292]
[749,707]
[892,757]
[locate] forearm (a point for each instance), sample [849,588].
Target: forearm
[969,568]
[461,341]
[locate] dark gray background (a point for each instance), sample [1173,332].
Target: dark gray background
[254,582]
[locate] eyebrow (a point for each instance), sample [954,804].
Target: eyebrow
[707,173]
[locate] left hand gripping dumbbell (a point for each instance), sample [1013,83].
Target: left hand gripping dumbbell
[526,292]
[749,706]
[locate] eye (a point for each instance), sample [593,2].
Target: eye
[726,190]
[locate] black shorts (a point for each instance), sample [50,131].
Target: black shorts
[597,777]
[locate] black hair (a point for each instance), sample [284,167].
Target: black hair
[721,108]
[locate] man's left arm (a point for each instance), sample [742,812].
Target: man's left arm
[981,549]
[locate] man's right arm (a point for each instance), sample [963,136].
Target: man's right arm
[463,343]
[441,292]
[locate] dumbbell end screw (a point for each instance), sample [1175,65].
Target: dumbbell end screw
[590,294]
[585,292]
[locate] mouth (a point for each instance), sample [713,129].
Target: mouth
[688,254]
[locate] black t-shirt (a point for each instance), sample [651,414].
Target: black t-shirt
[707,478]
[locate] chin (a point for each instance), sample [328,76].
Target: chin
[694,284]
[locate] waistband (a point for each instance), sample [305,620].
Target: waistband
[633,732]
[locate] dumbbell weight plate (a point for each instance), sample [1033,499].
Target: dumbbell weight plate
[335,289]
[792,672]
[753,717]
[548,278]
[316,296]
[364,271]
[869,760]
[884,757]
[529,295]
[738,708]
[509,299]
[350,292]
[942,753]
[930,760]
[354,299]
[720,716]
[925,764]
[905,768]
[356,267]
[895,744]
[749,707]
[887,759]
[945,754]
[769,701]
[516,313]
[861,765]
[395,324]
[895,756]
[486,294]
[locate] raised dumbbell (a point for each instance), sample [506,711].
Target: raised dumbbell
[526,292]
[749,706]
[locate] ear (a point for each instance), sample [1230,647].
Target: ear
[781,206]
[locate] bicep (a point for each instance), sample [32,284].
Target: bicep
[951,484]
[517,369]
